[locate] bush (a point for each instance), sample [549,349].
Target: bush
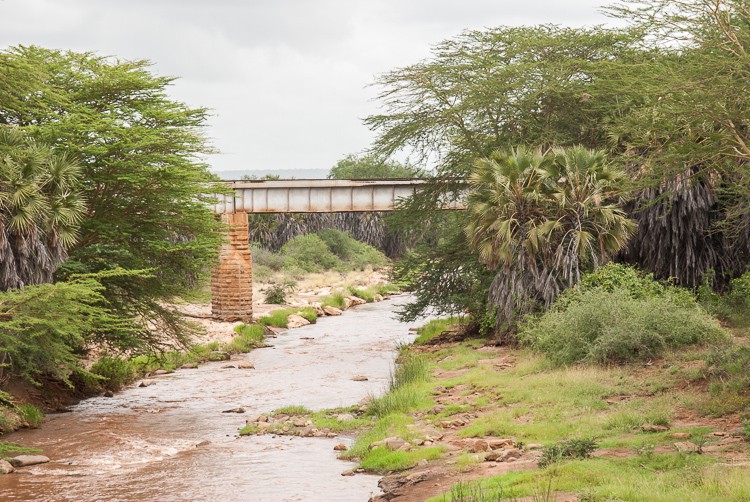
[734,305]
[115,372]
[266,258]
[276,293]
[334,300]
[619,322]
[308,253]
[569,449]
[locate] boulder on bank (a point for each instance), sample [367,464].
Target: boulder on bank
[5,467]
[331,310]
[296,321]
[26,460]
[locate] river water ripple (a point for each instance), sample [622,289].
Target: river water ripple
[141,444]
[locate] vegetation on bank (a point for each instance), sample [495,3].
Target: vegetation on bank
[113,372]
[317,252]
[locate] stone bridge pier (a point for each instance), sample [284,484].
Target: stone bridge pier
[232,279]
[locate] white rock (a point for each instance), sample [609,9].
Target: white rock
[331,310]
[24,460]
[296,321]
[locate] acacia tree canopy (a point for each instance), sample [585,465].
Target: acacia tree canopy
[142,171]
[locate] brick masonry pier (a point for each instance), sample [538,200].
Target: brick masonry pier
[232,279]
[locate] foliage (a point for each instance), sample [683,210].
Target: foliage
[444,276]
[41,208]
[603,327]
[369,167]
[44,328]
[569,449]
[115,372]
[276,293]
[733,305]
[539,219]
[139,154]
[329,249]
[685,133]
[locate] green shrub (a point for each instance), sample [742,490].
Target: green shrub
[308,253]
[263,257]
[616,277]
[569,449]
[611,326]
[116,372]
[734,305]
[339,243]
[276,293]
[44,328]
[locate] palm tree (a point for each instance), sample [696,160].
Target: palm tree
[41,208]
[539,218]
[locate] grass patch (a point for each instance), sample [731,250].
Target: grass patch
[382,460]
[278,318]
[334,300]
[30,414]
[654,478]
[434,328]
[8,450]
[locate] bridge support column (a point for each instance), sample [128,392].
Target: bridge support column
[232,279]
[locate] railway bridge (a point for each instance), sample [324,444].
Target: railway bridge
[231,280]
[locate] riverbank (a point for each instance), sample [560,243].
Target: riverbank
[466,420]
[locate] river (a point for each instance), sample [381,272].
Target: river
[141,444]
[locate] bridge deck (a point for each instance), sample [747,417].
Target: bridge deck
[315,195]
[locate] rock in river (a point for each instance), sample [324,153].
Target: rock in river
[5,467]
[24,460]
[332,310]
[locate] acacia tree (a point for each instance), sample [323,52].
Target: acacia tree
[539,219]
[685,136]
[142,174]
[483,91]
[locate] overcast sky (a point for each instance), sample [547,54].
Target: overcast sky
[286,80]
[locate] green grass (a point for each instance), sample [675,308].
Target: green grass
[334,300]
[365,294]
[434,328]
[278,318]
[295,410]
[382,460]
[8,450]
[653,478]
[30,414]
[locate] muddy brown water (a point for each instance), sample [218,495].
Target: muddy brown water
[141,444]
